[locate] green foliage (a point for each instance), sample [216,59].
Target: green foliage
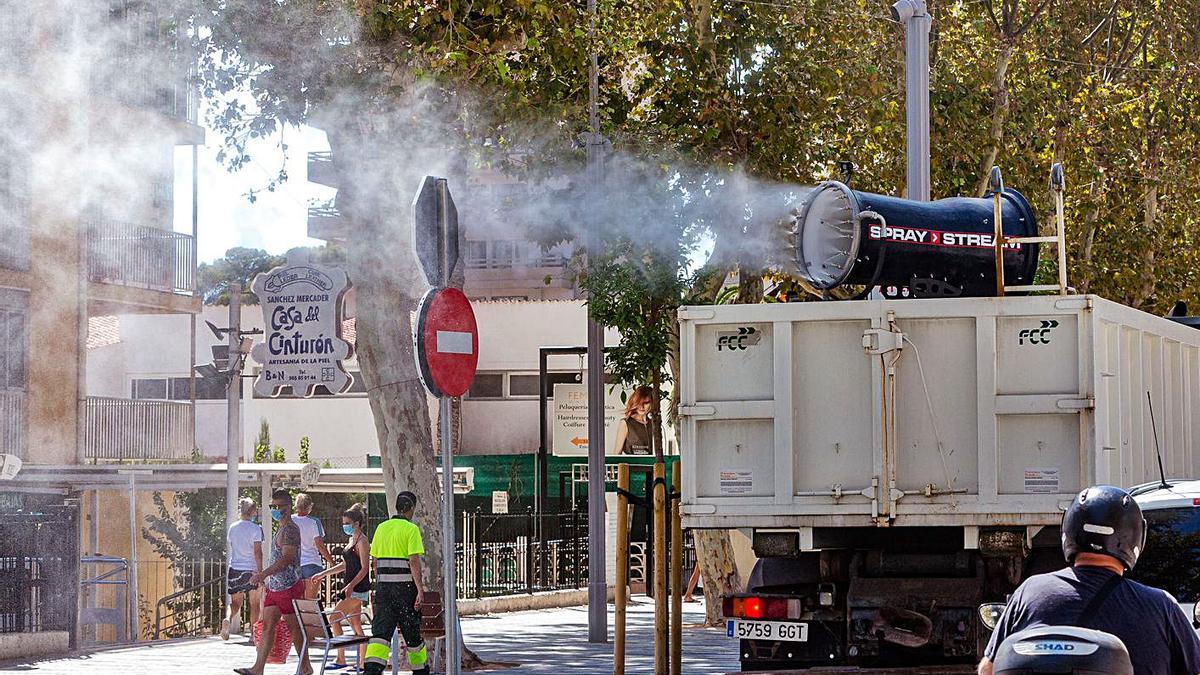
[239,264]
[242,264]
[262,446]
[303,458]
[784,90]
[279,455]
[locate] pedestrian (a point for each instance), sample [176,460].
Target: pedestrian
[691,587]
[397,550]
[284,585]
[1103,533]
[355,591]
[312,545]
[633,431]
[244,540]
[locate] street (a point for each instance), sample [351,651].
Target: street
[548,641]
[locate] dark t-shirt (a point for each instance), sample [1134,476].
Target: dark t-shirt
[1159,637]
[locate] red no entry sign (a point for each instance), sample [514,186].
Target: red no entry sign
[447,342]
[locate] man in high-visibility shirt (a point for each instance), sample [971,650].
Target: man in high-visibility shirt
[397,549]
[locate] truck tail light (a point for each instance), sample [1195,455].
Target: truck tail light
[776,608]
[754,607]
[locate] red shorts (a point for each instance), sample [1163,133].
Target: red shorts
[283,599]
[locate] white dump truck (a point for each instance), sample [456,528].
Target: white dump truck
[900,462]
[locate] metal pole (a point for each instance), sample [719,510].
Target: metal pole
[233,408]
[597,584]
[996,183]
[1058,183]
[449,590]
[135,622]
[540,486]
[453,655]
[265,517]
[622,591]
[676,575]
[913,14]
[661,635]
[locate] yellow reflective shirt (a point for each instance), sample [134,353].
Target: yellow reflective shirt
[397,538]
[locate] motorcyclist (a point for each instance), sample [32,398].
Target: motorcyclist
[1103,533]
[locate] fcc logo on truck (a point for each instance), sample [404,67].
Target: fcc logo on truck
[1037,336]
[738,340]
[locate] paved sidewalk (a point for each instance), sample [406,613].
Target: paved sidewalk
[542,642]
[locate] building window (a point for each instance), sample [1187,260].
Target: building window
[14,209]
[522,385]
[477,257]
[12,351]
[177,389]
[504,254]
[487,385]
[518,385]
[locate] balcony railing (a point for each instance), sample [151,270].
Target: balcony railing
[145,257]
[121,429]
[326,222]
[321,169]
[510,254]
[13,425]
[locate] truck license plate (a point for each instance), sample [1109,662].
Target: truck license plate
[767,630]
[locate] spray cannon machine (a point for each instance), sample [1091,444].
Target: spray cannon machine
[945,247]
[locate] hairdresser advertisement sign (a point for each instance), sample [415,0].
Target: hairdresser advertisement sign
[302,315]
[570,407]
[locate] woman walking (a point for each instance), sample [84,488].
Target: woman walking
[356,586]
[633,431]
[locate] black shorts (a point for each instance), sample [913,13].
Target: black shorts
[238,581]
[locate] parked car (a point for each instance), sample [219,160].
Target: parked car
[1172,557]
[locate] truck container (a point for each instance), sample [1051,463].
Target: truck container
[899,462]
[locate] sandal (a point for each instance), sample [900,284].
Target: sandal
[336,666]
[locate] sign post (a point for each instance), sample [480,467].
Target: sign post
[447,355]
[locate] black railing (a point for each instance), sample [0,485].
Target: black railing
[521,553]
[39,558]
[135,255]
[192,612]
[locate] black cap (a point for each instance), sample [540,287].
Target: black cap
[1104,519]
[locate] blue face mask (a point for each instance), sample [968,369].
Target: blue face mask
[348,529]
[276,514]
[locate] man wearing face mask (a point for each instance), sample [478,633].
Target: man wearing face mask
[283,585]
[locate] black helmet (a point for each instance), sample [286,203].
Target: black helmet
[1104,519]
[405,502]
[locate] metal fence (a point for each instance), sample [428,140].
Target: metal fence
[146,257]
[520,553]
[39,561]
[129,429]
[189,597]
[13,425]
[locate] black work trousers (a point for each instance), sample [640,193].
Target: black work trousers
[394,608]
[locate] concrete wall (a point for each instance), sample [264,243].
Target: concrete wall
[32,645]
